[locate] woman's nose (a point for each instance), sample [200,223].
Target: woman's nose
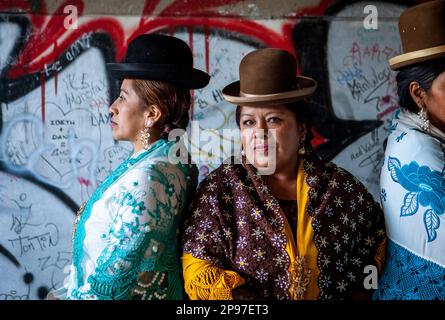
[112,109]
[261,129]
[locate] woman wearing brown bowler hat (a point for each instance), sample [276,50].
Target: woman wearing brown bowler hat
[413,175]
[280,223]
[125,238]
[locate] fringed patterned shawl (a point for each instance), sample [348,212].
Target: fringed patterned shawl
[234,213]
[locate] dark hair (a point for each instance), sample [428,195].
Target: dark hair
[300,109]
[174,102]
[424,74]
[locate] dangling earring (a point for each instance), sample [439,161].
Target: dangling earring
[423,115]
[145,136]
[242,151]
[302,150]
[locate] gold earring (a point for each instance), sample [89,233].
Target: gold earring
[302,150]
[423,115]
[145,136]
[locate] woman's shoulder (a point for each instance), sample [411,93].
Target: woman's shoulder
[404,136]
[159,169]
[325,170]
[334,181]
[164,162]
[413,138]
[337,172]
[413,146]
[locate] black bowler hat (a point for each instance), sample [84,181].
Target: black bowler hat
[162,58]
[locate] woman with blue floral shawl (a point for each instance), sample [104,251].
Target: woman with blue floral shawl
[125,238]
[413,174]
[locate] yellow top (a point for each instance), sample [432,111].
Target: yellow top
[204,281]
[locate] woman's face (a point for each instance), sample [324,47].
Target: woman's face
[435,102]
[127,114]
[261,127]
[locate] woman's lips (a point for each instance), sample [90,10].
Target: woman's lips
[113,124]
[261,147]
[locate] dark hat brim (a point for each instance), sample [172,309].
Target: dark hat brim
[415,57]
[183,76]
[233,94]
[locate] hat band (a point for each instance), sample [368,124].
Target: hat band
[416,55]
[251,95]
[309,88]
[301,92]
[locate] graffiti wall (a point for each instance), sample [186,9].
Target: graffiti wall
[55,139]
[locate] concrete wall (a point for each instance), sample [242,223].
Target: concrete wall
[55,139]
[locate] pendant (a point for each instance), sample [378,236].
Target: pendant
[76,220]
[300,276]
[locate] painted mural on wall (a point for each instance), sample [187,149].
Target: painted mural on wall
[55,140]
[357,92]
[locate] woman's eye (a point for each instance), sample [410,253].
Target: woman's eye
[121,98]
[248,122]
[274,119]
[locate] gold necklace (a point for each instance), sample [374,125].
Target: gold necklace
[76,220]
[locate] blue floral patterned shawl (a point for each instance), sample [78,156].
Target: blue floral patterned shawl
[413,198]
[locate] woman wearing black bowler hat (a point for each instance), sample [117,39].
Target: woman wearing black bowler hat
[124,239]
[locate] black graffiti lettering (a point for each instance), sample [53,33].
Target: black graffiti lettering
[217,95]
[62,260]
[54,237]
[13,295]
[81,90]
[367,147]
[43,241]
[63,122]
[201,103]
[359,88]
[374,160]
[43,263]
[58,153]
[103,119]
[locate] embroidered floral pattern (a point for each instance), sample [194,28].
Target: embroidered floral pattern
[256,223]
[414,180]
[139,244]
[425,187]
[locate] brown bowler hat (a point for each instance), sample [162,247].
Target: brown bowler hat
[422,31]
[267,77]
